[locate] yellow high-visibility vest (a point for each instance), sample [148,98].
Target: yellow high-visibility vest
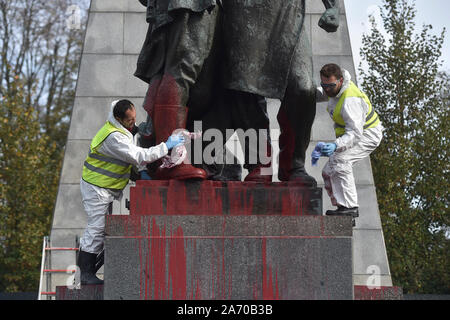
[372,119]
[104,171]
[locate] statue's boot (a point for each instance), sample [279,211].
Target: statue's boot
[300,175]
[224,172]
[293,142]
[168,118]
[292,164]
[261,172]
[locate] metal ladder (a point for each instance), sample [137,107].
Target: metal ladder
[46,272]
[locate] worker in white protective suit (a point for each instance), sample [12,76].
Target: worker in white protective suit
[106,172]
[358,132]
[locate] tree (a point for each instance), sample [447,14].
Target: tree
[37,44]
[39,58]
[29,177]
[411,166]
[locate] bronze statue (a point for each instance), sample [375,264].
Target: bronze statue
[239,40]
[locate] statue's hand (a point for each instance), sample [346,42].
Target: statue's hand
[330,20]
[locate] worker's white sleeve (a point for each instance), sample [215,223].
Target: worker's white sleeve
[118,146]
[353,112]
[321,95]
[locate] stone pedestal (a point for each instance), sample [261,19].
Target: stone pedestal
[234,257]
[262,247]
[174,197]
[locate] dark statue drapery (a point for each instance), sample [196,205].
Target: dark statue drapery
[196,49]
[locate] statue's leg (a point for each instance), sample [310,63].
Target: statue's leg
[187,43]
[147,136]
[208,103]
[250,119]
[296,116]
[245,113]
[218,162]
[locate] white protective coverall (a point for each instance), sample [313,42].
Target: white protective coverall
[356,144]
[96,200]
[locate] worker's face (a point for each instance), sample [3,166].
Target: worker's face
[331,85]
[130,119]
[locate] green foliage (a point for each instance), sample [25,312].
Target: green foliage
[28,176]
[411,166]
[37,45]
[39,59]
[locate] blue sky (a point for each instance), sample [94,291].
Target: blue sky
[434,12]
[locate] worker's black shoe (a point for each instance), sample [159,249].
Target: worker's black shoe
[86,263]
[343,211]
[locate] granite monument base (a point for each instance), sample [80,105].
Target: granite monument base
[228,257]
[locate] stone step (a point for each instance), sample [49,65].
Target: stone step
[378,293]
[95,292]
[86,292]
[228,257]
[172,197]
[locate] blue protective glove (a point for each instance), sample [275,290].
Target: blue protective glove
[317,153]
[144,175]
[174,141]
[328,149]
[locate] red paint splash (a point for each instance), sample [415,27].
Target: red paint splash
[165,265]
[177,266]
[158,197]
[162,90]
[269,286]
[166,274]
[164,271]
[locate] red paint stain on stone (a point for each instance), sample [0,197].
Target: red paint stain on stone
[269,286]
[164,268]
[158,197]
[177,266]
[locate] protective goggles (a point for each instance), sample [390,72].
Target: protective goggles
[329,85]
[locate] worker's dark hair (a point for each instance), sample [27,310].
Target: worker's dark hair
[121,107]
[331,69]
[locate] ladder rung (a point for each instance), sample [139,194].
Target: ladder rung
[62,249]
[59,270]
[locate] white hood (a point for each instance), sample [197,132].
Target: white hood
[347,78]
[116,123]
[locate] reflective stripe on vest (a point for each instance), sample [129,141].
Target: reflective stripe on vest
[372,119]
[104,171]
